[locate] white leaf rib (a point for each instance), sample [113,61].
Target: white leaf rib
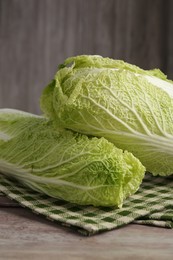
[145,101]
[92,197]
[11,155]
[134,112]
[161,143]
[61,160]
[110,114]
[16,131]
[80,169]
[161,115]
[60,163]
[88,124]
[42,157]
[11,170]
[16,154]
[155,120]
[4,136]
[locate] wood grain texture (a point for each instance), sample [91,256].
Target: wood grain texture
[8,203]
[35,36]
[25,235]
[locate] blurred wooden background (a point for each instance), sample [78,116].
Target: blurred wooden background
[37,35]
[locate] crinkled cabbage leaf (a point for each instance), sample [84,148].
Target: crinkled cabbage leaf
[63,164]
[131,107]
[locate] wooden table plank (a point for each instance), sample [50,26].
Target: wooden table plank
[24,235]
[6,202]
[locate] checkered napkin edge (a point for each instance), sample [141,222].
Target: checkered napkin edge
[152,204]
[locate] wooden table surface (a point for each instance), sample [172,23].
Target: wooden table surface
[25,235]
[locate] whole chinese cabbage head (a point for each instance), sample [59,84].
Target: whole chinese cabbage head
[63,164]
[131,107]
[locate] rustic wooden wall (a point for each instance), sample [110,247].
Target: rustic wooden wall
[37,35]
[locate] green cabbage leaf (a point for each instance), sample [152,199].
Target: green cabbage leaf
[131,107]
[63,164]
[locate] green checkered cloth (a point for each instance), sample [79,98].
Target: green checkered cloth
[152,204]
